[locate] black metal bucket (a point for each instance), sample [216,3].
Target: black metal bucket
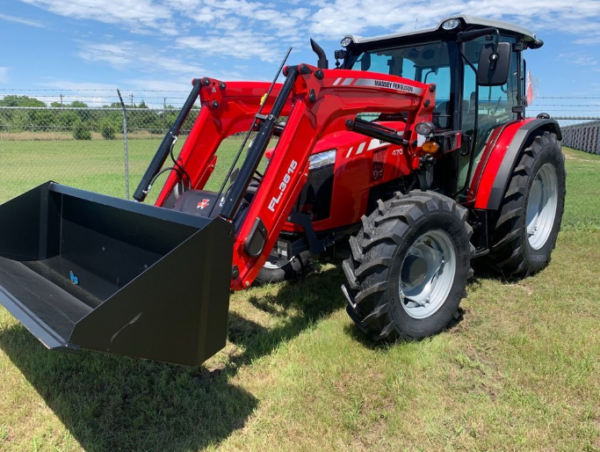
[87,271]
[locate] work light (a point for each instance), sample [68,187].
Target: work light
[346,41]
[451,24]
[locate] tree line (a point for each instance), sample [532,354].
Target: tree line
[81,123]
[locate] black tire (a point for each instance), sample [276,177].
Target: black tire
[510,250]
[278,270]
[378,254]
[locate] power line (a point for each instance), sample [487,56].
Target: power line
[564,105]
[567,97]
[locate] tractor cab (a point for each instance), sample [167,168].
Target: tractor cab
[476,65]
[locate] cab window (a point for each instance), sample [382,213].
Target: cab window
[426,63]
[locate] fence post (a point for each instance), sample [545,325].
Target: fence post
[125,144]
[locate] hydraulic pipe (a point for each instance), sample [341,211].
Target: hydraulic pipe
[234,195]
[167,143]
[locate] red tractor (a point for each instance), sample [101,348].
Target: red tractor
[413,155]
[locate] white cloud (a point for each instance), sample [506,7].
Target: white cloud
[113,54]
[69,85]
[578,58]
[138,15]
[20,20]
[162,86]
[3,75]
[592,40]
[242,44]
[244,29]
[129,54]
[325,18]
[254,30]
[339,17]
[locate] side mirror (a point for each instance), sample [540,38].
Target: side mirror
[494,64]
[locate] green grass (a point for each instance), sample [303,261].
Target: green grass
[519,372]
[96,166]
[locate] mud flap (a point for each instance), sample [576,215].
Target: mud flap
[87,271]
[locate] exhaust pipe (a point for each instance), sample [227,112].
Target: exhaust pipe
[322,62]
[86,271]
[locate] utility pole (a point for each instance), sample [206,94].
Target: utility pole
[61,99]
[164,103]
[131,97]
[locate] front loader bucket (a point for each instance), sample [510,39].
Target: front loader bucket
[87,271]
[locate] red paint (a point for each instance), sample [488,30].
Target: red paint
[312,127]
[238,104]
[489,165]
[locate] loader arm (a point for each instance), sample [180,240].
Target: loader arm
[317,102]
[227,109]
[322,101]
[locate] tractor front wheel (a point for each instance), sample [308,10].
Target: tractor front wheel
[409,266]
[525,231]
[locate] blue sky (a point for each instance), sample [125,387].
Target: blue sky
[162,45]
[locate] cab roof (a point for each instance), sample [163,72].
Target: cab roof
[466,22]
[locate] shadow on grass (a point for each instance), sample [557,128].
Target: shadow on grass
[113,403]
[313,297]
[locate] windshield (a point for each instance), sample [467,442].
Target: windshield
[427,63]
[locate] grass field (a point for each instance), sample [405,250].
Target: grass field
[518,372]
[91,165]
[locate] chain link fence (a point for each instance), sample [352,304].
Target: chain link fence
[104,145]
[104,150]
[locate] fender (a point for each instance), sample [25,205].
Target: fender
[499,159]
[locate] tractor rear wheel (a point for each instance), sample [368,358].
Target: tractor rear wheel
[529,219]
[409,266]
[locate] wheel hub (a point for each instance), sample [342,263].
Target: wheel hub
[541,206]
[414,271]
[427,274]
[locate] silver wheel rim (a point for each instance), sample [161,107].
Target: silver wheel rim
[427,274]
[541,206]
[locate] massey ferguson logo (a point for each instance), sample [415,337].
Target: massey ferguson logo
[402,87]
[394,85]
[204,203]
[283,185]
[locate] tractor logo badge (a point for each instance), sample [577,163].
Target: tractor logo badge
[203,204]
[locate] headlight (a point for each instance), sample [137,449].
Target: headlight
[322,159]
[346,41]
[451,24]
[424,128]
